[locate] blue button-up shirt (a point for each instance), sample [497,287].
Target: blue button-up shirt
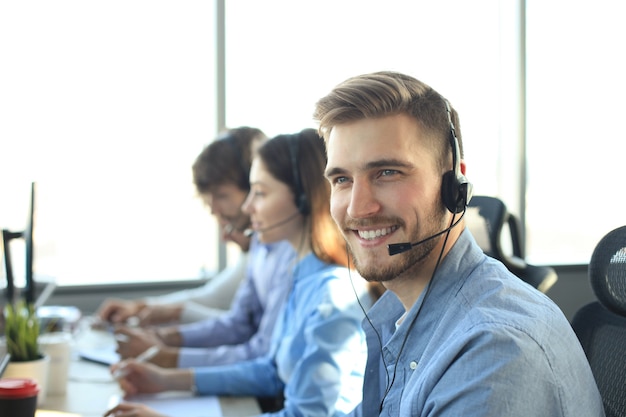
[318,348]
[484,343]
[244,332]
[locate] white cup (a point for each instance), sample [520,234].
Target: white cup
[58,346]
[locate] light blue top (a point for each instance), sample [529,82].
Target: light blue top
[244,332]
[318,348]
[484,344]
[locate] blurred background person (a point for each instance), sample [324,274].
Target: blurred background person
[244,331]
[220,174]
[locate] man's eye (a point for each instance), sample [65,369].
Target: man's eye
[340,180]
[388,172]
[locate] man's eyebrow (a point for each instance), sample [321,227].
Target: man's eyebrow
[379,163]
[383,163]
[331,172]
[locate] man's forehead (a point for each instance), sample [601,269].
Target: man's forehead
[226,187]
[354,156]
[370,150]
[222,193]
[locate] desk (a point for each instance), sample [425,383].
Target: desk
[91,391]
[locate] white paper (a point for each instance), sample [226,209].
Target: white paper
[180,404]
[103,355]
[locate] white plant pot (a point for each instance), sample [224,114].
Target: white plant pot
[37,370]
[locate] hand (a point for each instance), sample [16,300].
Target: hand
[131,342]
[234,230]
[118,311]
[132,410]
[159,314]
[148,378]
[240,238]
[135,377]
[170,336]
[134,341]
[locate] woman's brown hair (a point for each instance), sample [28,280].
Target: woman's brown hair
[299,160]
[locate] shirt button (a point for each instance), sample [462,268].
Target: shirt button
[413,365]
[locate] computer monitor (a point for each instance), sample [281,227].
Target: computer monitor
[29,288]
[27,235]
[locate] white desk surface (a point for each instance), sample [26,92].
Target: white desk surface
[91,390]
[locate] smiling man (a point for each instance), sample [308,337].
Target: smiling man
[457,334]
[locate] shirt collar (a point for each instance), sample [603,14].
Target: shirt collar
[448,280]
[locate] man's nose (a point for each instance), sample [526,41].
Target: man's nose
[363,200]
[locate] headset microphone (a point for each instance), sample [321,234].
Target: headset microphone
[396,248]
[250,232]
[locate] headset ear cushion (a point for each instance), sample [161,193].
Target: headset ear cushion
[451,193]
[456,192]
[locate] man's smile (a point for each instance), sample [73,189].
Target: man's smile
[375,233]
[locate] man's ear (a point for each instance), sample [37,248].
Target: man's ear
[462,166]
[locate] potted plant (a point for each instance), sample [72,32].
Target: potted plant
[21,334]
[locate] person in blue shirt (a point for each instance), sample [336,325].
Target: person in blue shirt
[456,334]
[318,354]
[243,331]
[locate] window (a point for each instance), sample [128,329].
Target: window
[283,56]
[106,105]
[576,143]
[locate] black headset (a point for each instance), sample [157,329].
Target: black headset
[456,190]
[302,202]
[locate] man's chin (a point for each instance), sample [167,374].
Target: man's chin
[374,268]
[375,274]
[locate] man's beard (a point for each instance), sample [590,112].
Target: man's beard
[380,269]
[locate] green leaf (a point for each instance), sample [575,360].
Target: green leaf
[22,332]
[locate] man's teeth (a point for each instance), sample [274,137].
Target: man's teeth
[373,234]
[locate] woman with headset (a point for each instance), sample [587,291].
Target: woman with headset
[317,355]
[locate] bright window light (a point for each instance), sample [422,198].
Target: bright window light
[106,105]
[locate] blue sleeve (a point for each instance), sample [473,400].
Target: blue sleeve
[245,331]
[503,371]
[235,326]
[256,377]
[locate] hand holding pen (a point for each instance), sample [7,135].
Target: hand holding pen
[133,341]
[138,376]
[121,371]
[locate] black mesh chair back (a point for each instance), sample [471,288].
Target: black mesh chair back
[493,226]
[601,325]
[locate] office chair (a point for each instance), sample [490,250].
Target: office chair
[601,325]
[486,218]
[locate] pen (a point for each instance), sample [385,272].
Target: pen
[145,356]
